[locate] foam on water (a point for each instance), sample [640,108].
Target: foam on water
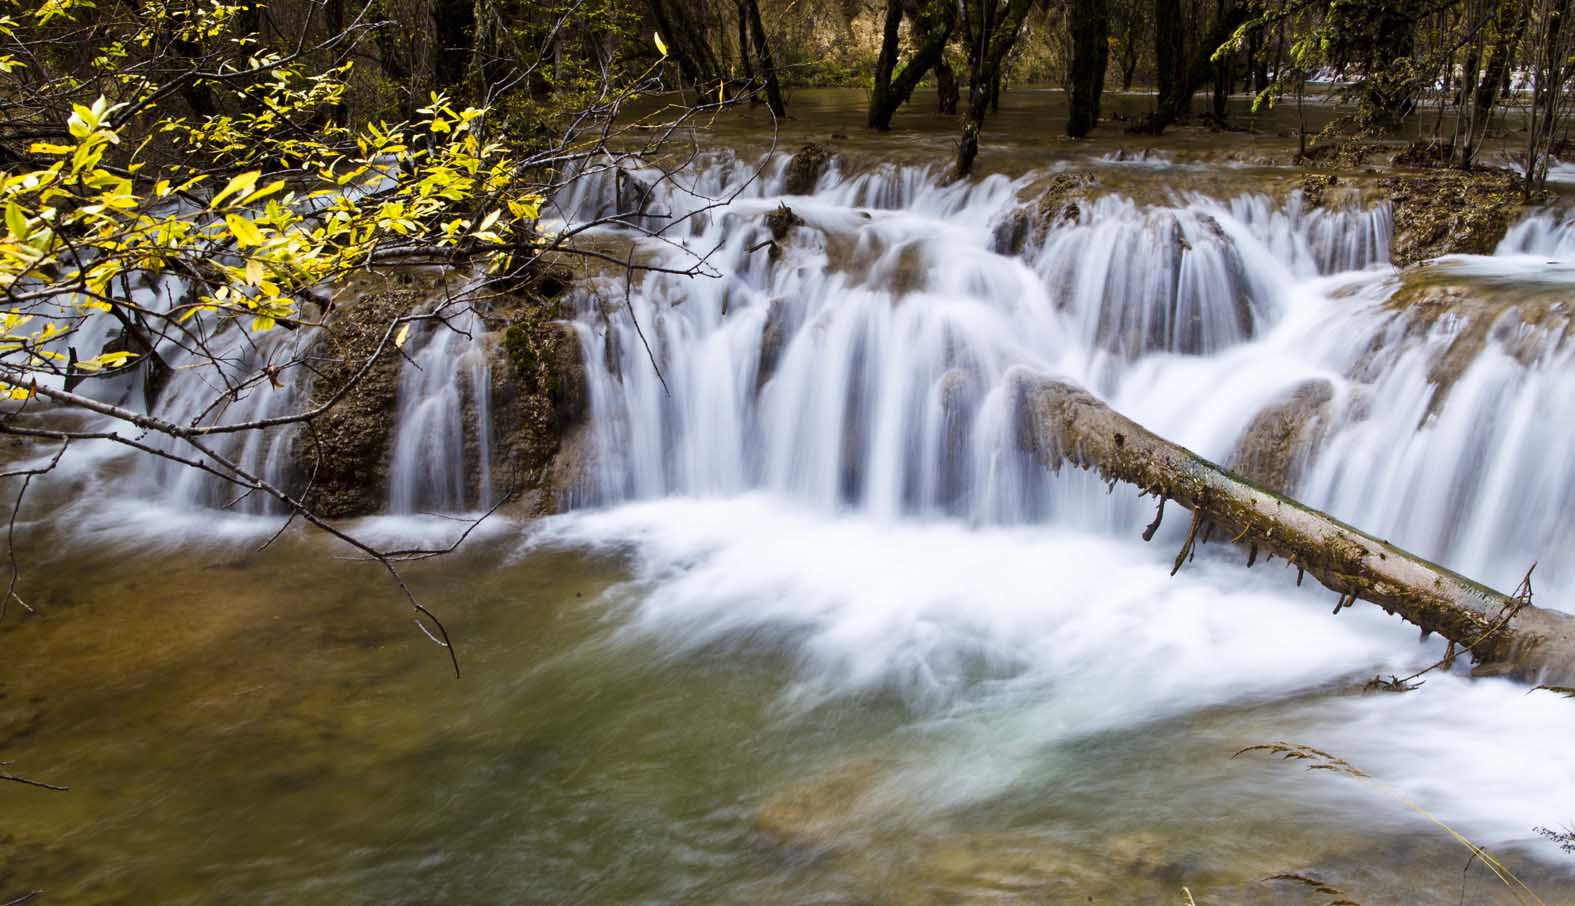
[828,466]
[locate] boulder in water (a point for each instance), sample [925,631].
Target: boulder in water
[539,399]
[805,168]
[1010,232]
[1448,212]
[774,335]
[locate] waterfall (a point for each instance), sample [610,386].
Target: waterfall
[865,363]
[808,453]
[1546,234]
[444,402]
[221,372]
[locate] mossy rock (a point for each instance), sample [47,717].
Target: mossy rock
[346,452]
[539,399]
[805,168]
[1448,212]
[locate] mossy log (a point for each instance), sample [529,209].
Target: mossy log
[1062,423]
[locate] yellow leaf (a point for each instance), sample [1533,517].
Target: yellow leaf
[15,221]
[264,192]
[244,231]
[241,183]
[661,46]
[401,336]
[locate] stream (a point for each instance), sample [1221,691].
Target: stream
[815,630]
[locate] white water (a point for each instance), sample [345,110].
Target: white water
[850,495]
[827,466]
[442,387]
[440,450]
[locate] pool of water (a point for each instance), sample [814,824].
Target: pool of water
[720,701]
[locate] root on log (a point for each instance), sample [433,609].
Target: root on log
[1060,422]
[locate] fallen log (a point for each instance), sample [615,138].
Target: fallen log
[1060,422]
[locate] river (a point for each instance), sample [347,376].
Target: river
[817,632]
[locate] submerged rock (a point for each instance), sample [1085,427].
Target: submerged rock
[1008,868]
[633,197]
[1281,439]
[822,813]
[1467,315]
[774,335]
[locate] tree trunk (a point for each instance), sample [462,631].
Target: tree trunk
[1090,55]
[768,70]
[1062,423]
[881,106]
[1170,58]
[947,93]
[743,51]
[987,73]
[1511,25]
[686,42]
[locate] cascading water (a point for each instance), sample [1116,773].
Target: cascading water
[807,459]
[865,359]
[443,424]
[842,398]
[219,372]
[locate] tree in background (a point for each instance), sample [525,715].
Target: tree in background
[1130,26]
[992,27]
[1090,27]
[930,25]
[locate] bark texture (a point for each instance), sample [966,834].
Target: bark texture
[996,37]
[931,23]
[767,68]
[1062,423]
[1090,22]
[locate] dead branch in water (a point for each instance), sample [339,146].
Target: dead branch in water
[1061,423]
